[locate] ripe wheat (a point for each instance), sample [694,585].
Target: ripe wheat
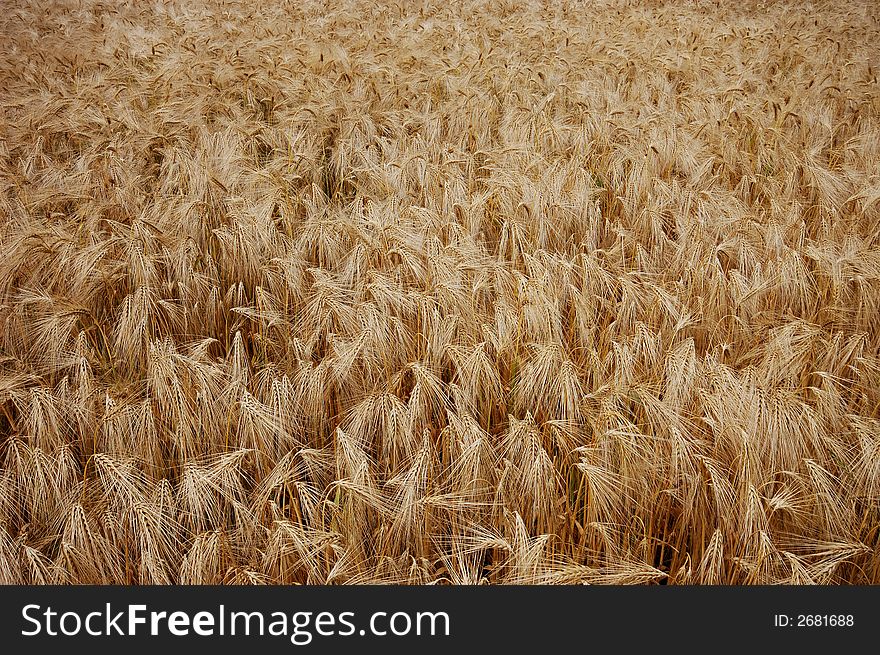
[458,292]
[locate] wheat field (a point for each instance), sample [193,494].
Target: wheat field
[464,292]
